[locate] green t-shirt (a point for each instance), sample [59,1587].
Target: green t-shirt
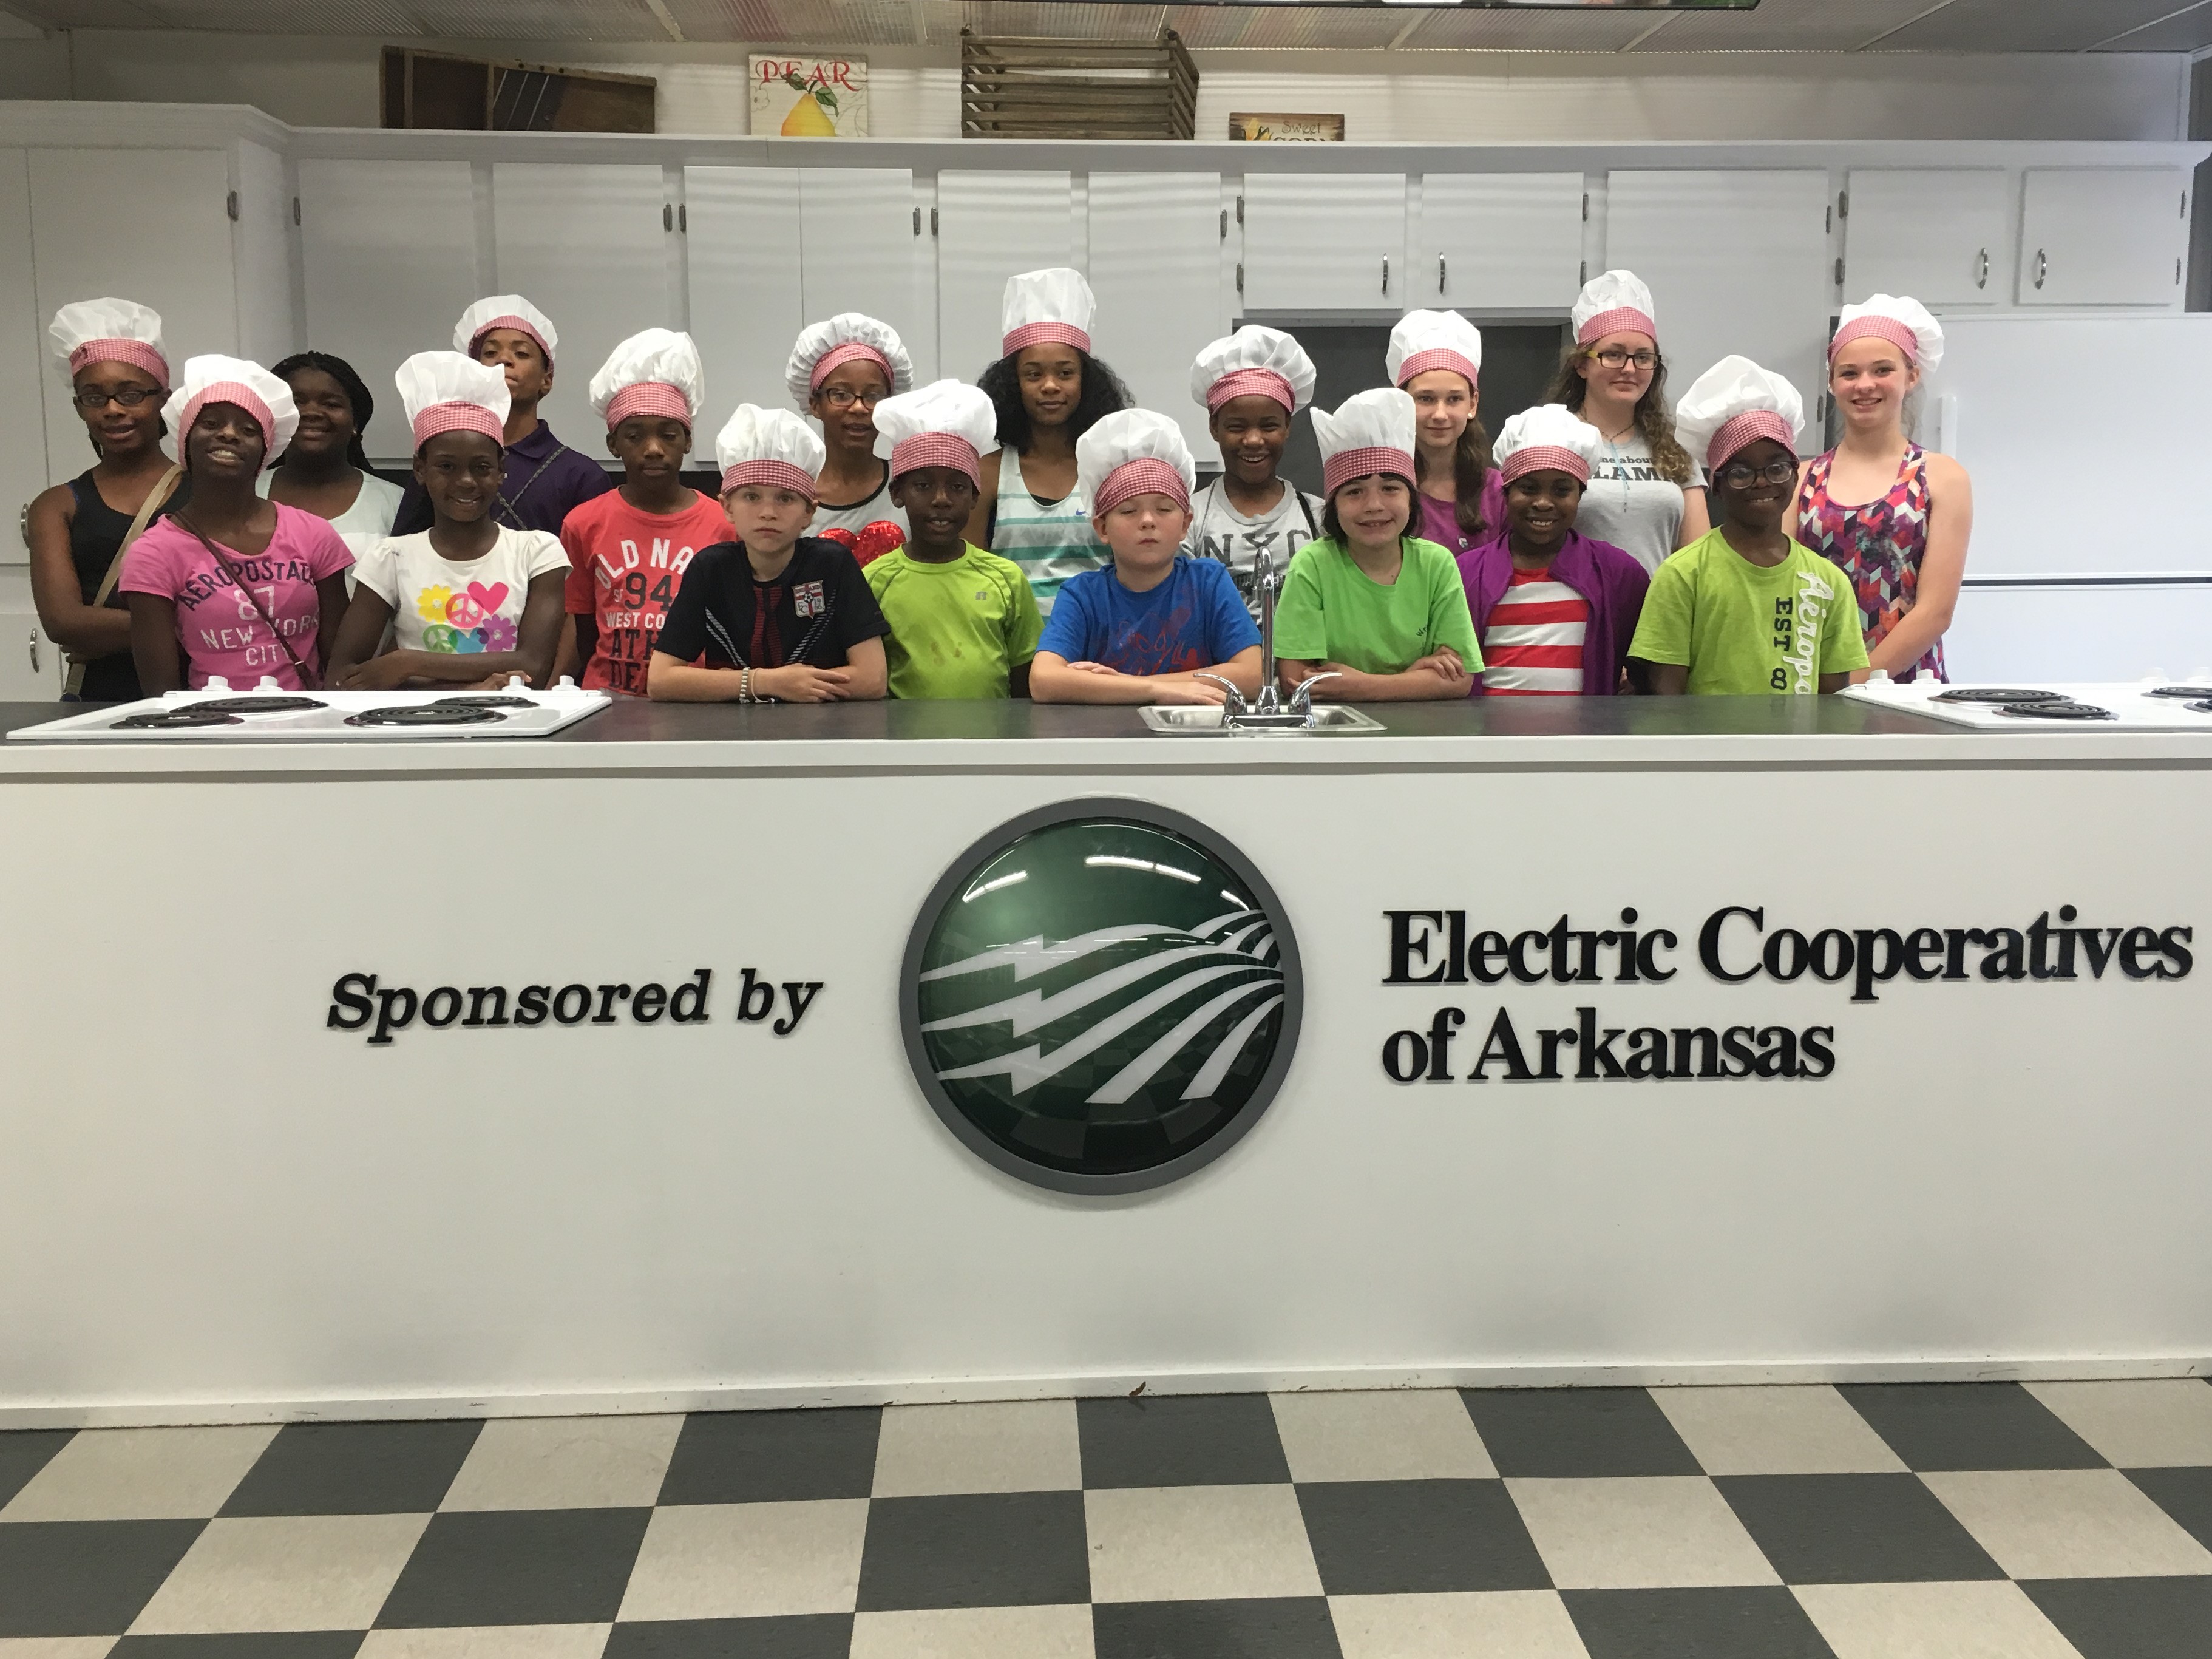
[1744,629]
[1334,611]
[957,628]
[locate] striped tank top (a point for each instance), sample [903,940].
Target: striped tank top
[1052,542]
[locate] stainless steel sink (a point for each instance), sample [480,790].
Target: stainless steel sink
[1199,720]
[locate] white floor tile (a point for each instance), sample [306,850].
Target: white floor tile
[565,1463]
[1490,1625]
[1198,1543]
[141,1474]
[2155,1424]
[974,1633]
[1422,1434]
[2068,1523]
[1991,1619]
[493,1641]
[748,1560]
[288,1572]
[1775,1430]
[1022,1445]
[1646,1533]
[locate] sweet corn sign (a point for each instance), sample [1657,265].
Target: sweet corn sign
[810,97]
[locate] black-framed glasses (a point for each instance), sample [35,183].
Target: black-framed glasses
[1615,357]
[1737,474]
[836,397]
[92,399]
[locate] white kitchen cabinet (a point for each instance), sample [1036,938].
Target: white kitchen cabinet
[1156,268]
[388,251]
[588,244]
[2081,632]
[268,330]
[1937,234]
[1326,241]
[744,286]
[31,668]
[1498,241]
[1737,263]
[859,250]
[992,226]
[2104,236]
[24,362]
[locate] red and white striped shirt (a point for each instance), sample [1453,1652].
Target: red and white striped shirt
[1532,644]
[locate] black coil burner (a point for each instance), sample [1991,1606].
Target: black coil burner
[262,705]
[2056,711]
[425,713]
[490,700]
[2198,708]
[190,718]
[1999,696]
[2182,691]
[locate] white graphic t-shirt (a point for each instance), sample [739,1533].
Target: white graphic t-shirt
[476,604]
[1221,532]
[1628,503]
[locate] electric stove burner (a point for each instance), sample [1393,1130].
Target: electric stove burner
[1998,695]
[188,718]
[424,713]
[265,705]
[2182,691]
[2198,708]
[490,701]
[2056,711]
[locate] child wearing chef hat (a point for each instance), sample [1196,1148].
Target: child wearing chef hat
[628,548]
[839,372]
[110,353]
[778,615]
[1252,383]
[1746,610]
[1895,518]
[1645,495]
[1142,629]
[1047,391]
[1436,356]
[1554,608]
[963,622]
[1379,608]
[232,584]
[470,601]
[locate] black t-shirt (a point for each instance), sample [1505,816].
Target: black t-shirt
[816,611]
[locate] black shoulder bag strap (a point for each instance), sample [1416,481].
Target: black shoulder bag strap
[514,503]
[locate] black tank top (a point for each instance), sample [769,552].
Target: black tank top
[96,530]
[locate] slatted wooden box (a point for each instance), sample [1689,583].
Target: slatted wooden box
[1024,89]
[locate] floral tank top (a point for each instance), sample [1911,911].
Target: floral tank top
[1877,545]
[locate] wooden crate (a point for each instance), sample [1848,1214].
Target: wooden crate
[1025,88]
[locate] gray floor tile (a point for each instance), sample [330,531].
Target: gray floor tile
[2184,1494]
[1293,1628]
[276,1644]
[769,1457]
[517,1567]
[2128,1618]
[1970,1426]
[1204,1440]
[975,1550]
[1753,1622]
[355,1468]
[1411,1537]
[23,1453]
[801,1636]
[1854,1528]
[84,1577]
[1573,1433]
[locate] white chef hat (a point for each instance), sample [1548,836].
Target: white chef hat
[1904,323]
[771,446]
[1424,340]
[87,331]
[1614,302]
[1133,452]
[504,311]
[1370,432]
[654,373]
[1254,362]
[1041,305]
[218,380]
[446,392]
[944,423]
[1549,437]
[1734,404]
[846,338]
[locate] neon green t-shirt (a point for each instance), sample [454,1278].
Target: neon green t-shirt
[1744,629]
[957,628]
[1334,611]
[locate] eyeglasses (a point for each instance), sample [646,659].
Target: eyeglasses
[1615,357]
[838,397]
[1737,474]
[92,399]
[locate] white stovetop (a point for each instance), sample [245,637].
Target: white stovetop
[2134,707]
[329,721]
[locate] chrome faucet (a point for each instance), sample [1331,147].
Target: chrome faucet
[1268,709]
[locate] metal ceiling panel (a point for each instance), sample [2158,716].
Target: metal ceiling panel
[815,22]
[1281,27]
[1063,21]
[1591,29]
[88,14]
[389,17]
[539,20]
[2025,25]
[1785,26]
[2188,31]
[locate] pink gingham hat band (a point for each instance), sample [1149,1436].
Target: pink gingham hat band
[655,397]
[772,475]
[937,449]
[851,352]
[230,391]
[1341,468]
[1877,328]
[1250,383]
[1621,319]
[519,325]
[1148,475]
[1543,458]
[136,353]
[1420,362]
[1739,434]
[1030,334]
[457,417]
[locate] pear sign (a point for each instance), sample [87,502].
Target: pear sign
[809,97]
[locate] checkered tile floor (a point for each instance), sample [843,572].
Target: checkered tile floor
[1956,1520]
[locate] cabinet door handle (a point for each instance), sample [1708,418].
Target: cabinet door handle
[1386,273]
[1440,273]
[2042,266]
[1982,280]
[667,216]
[34,651]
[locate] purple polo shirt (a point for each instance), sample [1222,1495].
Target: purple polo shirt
[1611,583]
[1438,522]
[543,481]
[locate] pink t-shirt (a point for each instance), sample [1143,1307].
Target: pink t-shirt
[218,629]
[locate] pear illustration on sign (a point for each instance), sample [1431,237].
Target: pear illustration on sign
[810,98]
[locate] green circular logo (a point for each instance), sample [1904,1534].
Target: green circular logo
[1101,997]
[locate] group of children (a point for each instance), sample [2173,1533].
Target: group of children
[1030,535]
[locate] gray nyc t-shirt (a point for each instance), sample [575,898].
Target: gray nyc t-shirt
[1219,532]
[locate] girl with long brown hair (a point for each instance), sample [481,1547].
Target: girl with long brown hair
[1435,358]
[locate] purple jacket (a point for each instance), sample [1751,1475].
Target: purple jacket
[1613,583]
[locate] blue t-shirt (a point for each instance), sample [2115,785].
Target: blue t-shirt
[1194,619]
